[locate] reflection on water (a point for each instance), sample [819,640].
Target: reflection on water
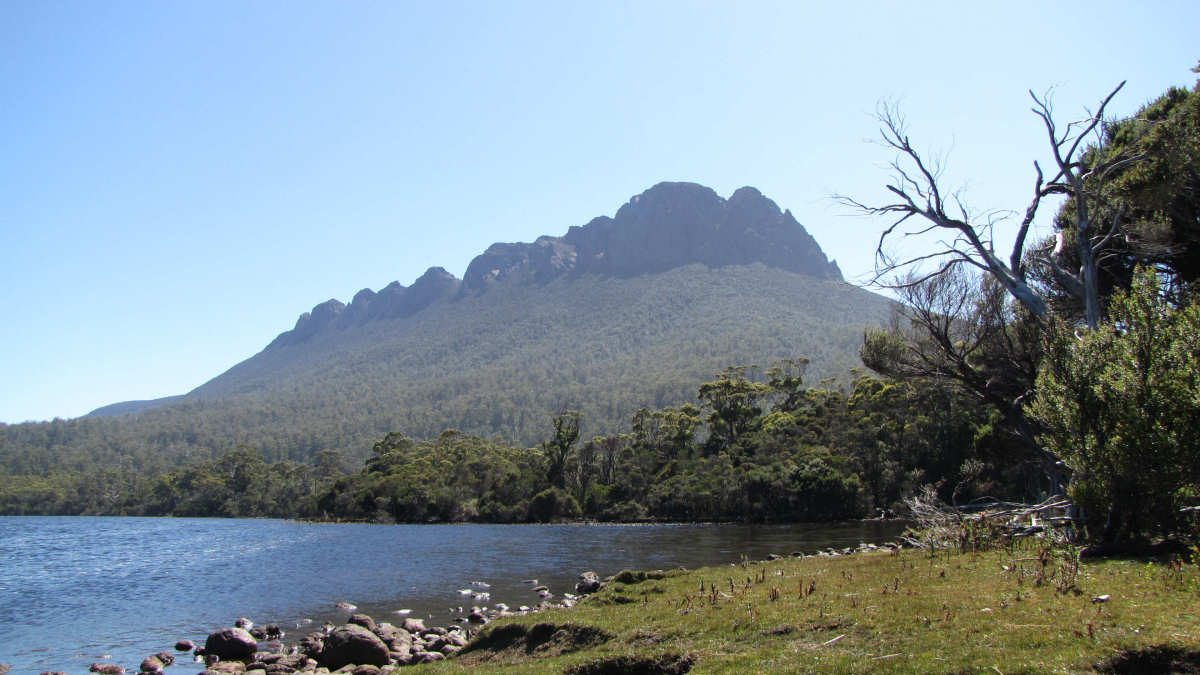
[75,589]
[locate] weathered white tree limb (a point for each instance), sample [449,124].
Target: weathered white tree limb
[920,198]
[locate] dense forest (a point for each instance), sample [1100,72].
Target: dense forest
[754,446]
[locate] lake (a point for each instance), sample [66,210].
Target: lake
[77,590]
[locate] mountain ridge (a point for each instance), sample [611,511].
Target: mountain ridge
[668,225]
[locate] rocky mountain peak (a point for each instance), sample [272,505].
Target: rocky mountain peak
[669,225]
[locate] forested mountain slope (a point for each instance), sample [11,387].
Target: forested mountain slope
[622,313]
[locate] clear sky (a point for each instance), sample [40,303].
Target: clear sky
[180,180]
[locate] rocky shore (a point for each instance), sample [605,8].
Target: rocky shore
[361,645]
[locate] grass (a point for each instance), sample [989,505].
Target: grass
[1025,608]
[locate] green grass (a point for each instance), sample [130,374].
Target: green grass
[1025,609]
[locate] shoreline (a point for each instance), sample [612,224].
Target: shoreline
[247,648]
[381,569]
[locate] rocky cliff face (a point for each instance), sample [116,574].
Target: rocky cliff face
[394,301]
[667,226]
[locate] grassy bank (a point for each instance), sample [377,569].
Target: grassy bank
[1027,608]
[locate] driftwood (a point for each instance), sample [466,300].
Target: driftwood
[939,525]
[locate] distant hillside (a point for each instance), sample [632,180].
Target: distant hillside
[619,314]
[130,407]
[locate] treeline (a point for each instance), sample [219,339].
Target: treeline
[755,447]
[238,483]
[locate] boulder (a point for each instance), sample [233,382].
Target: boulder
[353,644]
[312,644]
[436,645]
[289,663]
[386,631]
[362,620]
[151,664]
[589,582]
[427,657]
[106,669]
[185,646]
[366,670]
[457,639]
[397,639]
[414,625]
[167,658]
[231,644]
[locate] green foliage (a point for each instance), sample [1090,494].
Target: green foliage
[238,483]
[798,455]
[1121,405]
[553,504]
[733,401]
[558,449]
[1156,200]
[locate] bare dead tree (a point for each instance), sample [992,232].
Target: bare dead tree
[923,207]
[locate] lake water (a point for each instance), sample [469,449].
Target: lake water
[74,591]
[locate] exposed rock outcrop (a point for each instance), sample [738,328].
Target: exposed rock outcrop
[393,301]
[667,226]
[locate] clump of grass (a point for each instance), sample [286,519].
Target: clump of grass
[630,577]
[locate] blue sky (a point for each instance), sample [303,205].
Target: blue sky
[180,180]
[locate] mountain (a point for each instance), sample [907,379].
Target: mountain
[668,226]
[625,312]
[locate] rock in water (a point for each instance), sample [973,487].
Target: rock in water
[353,644]
[231,644]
